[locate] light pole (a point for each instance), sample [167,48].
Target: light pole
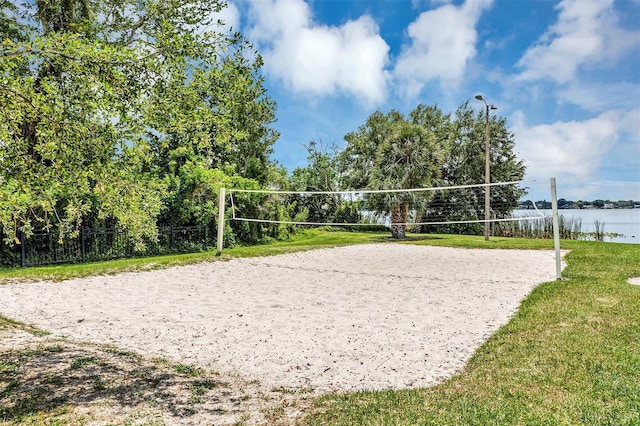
[487,173]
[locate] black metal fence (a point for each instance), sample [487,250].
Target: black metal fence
[91,245]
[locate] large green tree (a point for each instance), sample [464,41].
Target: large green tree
[221,128]
[431,148]
[391,152]
[123,110]
[461,137]
[320,174]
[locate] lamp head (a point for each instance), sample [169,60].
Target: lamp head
[493,107]
[479,97]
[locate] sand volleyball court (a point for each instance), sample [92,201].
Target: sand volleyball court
[361,317]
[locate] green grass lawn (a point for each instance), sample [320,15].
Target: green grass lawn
[570,356]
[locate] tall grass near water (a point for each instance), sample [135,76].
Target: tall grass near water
[542,227]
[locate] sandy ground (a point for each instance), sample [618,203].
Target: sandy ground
[358,317]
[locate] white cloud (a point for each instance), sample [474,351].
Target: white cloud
[443,40]
[600,96]
[611,190]
[586,33]
[317,59]
[572,150]
[230,15]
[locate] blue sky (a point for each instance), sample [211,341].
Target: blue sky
[565,75]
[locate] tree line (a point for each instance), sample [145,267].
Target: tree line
[134,113]
[426,148]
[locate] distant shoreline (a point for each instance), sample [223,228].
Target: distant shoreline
[581,205]
[576,208]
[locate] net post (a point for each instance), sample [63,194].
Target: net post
[221,203]
[23,250]
[556,228]
[83,244]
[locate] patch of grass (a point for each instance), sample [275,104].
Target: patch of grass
[78,270]
[282,389]
[98,384]
[199,388]
[207,384]
[82,361]
[8,367]
[52,378]
[187,370]
[243,420]
[307,240]
[477,241]
[54,348]
[9,324]
[120,352]
[291,391]
[274,414]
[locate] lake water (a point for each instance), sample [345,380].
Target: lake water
[620,221]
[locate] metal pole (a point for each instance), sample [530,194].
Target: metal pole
[487,173]
[556,228]
[23,249]
[487,178]
[204,240]
[83,247]
[221,202]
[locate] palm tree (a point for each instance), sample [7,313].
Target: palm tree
[391,153]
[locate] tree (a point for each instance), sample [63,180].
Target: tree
[320,174]
[431,148]
[461,139]
[221,125]
[391,152]
[62,146]
[110,109]
[277,215]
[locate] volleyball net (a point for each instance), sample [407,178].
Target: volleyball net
[421,209]
[459,209]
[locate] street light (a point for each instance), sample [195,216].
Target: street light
[487,202]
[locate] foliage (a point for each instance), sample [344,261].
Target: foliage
[391,152]
[426,148]
[277,213]
[462,139]
[322,174]
[9,254]
[132,112]
[620,204]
